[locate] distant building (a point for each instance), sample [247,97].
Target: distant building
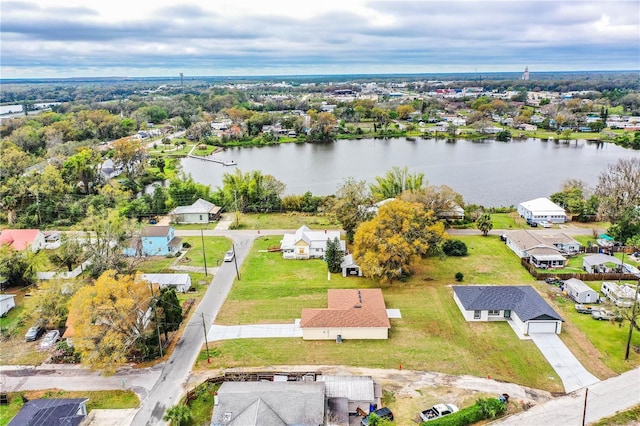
[525,74]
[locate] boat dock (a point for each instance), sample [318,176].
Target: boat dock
[213,160]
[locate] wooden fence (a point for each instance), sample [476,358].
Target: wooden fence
[584,276]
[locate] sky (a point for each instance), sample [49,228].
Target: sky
[135,38]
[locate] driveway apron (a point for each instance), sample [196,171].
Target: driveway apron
[252,331]
[574,376]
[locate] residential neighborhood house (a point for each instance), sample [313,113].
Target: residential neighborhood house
[269,404]
[580,292]
[308,244]
[180,282]
[154,241]
[20,239]
[201,211]
[351,314]
[51,412]
[543,250]
[345,394]
[542,209]
[7,302]
[521,305]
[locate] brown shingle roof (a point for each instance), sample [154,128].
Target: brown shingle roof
[349,308]
[155,231]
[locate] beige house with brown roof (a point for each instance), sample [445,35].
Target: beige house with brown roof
[351,314]
[542,248]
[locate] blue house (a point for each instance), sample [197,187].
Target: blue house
[154,241]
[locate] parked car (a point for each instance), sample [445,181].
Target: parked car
[34,332]
[437,411]
[602,315]
[584,309]
[50,339]
[545,224]
[383,413]
[553,281]
[228,256]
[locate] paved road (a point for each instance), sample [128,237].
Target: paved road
[604,399]
[171,384]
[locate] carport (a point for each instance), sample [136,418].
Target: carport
[573,375]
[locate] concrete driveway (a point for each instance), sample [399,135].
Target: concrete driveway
[252,331]
[574,376]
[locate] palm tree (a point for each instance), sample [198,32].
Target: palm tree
[484,223]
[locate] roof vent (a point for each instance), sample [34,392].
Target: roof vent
[357,306]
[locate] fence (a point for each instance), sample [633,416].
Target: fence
[581,276]
[64,274]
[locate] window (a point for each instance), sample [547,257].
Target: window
[476,314]
[493,313]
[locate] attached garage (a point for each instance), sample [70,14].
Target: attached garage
[542,327]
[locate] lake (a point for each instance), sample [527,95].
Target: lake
[486,172]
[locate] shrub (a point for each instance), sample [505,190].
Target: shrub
[454,248]
[459,276]
[483,409]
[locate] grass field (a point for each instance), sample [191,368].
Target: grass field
[290,220]
[431,335]
[115,399]
[214,248]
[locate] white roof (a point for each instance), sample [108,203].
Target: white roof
[315,239]
[6,296]
[544,206]
[354,388]
[198,207]
[167,279]
[578,285]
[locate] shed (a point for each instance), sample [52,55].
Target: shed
[580,292]
[181,282]
[349,267]
[7,302]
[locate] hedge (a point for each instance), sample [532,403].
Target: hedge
[483,409]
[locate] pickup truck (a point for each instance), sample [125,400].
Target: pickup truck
[437,411]
[602,315]
[584,309]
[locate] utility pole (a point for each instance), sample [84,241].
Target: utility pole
[584,409]
[155,314]
[206,343]
[235,260]
[632,322]
[204,255]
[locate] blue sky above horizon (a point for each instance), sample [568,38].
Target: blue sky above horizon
[89,38]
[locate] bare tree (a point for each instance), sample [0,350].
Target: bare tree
[619,188]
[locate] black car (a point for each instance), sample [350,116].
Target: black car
[34,333]
[383,413]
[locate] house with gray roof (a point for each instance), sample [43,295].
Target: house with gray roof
[522,305]
[345,394]
[51,412]
[201,211]
[269,404]
[543,249]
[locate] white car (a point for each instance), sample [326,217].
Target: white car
[545,224]
[228,256]
[50,339]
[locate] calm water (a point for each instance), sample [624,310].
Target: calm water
[489,173]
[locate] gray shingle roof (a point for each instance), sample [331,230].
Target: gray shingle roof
[522,299]
[50,412]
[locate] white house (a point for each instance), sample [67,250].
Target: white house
[521,305]
[580,292]
[351,314]
[181,282]
[7,302]
[307,244]
[201,211]
[542,209]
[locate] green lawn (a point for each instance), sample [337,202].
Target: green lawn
[115,399]
[214,248]
[290,220]
[431,335]
[508,221]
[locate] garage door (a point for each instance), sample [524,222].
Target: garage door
[542,327]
